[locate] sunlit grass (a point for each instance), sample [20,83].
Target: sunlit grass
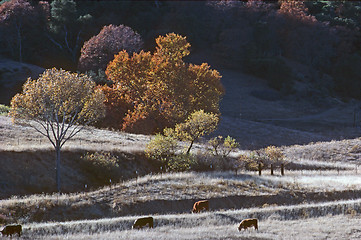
[333,218]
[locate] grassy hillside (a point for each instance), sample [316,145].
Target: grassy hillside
[329,227]
[331,220]
[324,169]
[176,193]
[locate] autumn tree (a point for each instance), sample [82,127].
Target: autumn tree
[99,50]
[164,147]
[198,124]
[160,88]
[58,105]
[295,9]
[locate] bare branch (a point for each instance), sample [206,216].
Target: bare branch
[45,127]
[54,41]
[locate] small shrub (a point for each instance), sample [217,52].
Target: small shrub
[351,211]
[102,166]
[4,110]
[223,148]
[162,147]
[102,159]
[252,161]
[355,149]
[181,163]
[274,153]
[205,162]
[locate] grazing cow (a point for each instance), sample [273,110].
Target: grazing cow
[11,229]
[141,222]
[246,223]
[200,205]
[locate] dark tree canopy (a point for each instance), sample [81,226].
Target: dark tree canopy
[99,50]
[21,25]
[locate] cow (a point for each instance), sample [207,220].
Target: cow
[141,222]
[246,223]
[200,205]
[11,229]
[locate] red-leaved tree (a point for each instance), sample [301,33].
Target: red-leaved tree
[99,50]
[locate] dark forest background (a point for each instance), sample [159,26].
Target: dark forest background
[256,37]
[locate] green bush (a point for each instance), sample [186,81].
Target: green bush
[161,148]
[102,166]
[4,110]
[222,148]
[182,162]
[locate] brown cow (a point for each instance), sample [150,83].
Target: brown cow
[141,222]
[246,223]
[200,205]
[11,229]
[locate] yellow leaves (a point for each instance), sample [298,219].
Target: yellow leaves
[172,46]
[274,153]
[58,94]
[199,123]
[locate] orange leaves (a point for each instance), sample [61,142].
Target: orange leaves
[160,89]
[207,87]
[296,9]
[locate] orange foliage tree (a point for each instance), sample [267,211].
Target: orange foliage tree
[296,9]
[159,90]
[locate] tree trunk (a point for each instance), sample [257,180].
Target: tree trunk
[19,43]
[57,150]
[189,149]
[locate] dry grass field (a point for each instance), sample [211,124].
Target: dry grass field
[318,198]
[300,205]
[331,220]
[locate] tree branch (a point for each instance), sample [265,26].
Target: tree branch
[54,41]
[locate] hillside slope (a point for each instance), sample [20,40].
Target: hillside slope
[258,116]
[253,113]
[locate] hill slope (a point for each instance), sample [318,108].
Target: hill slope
[258,116]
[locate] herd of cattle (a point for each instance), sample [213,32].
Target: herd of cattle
[197,207]
[139,223]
